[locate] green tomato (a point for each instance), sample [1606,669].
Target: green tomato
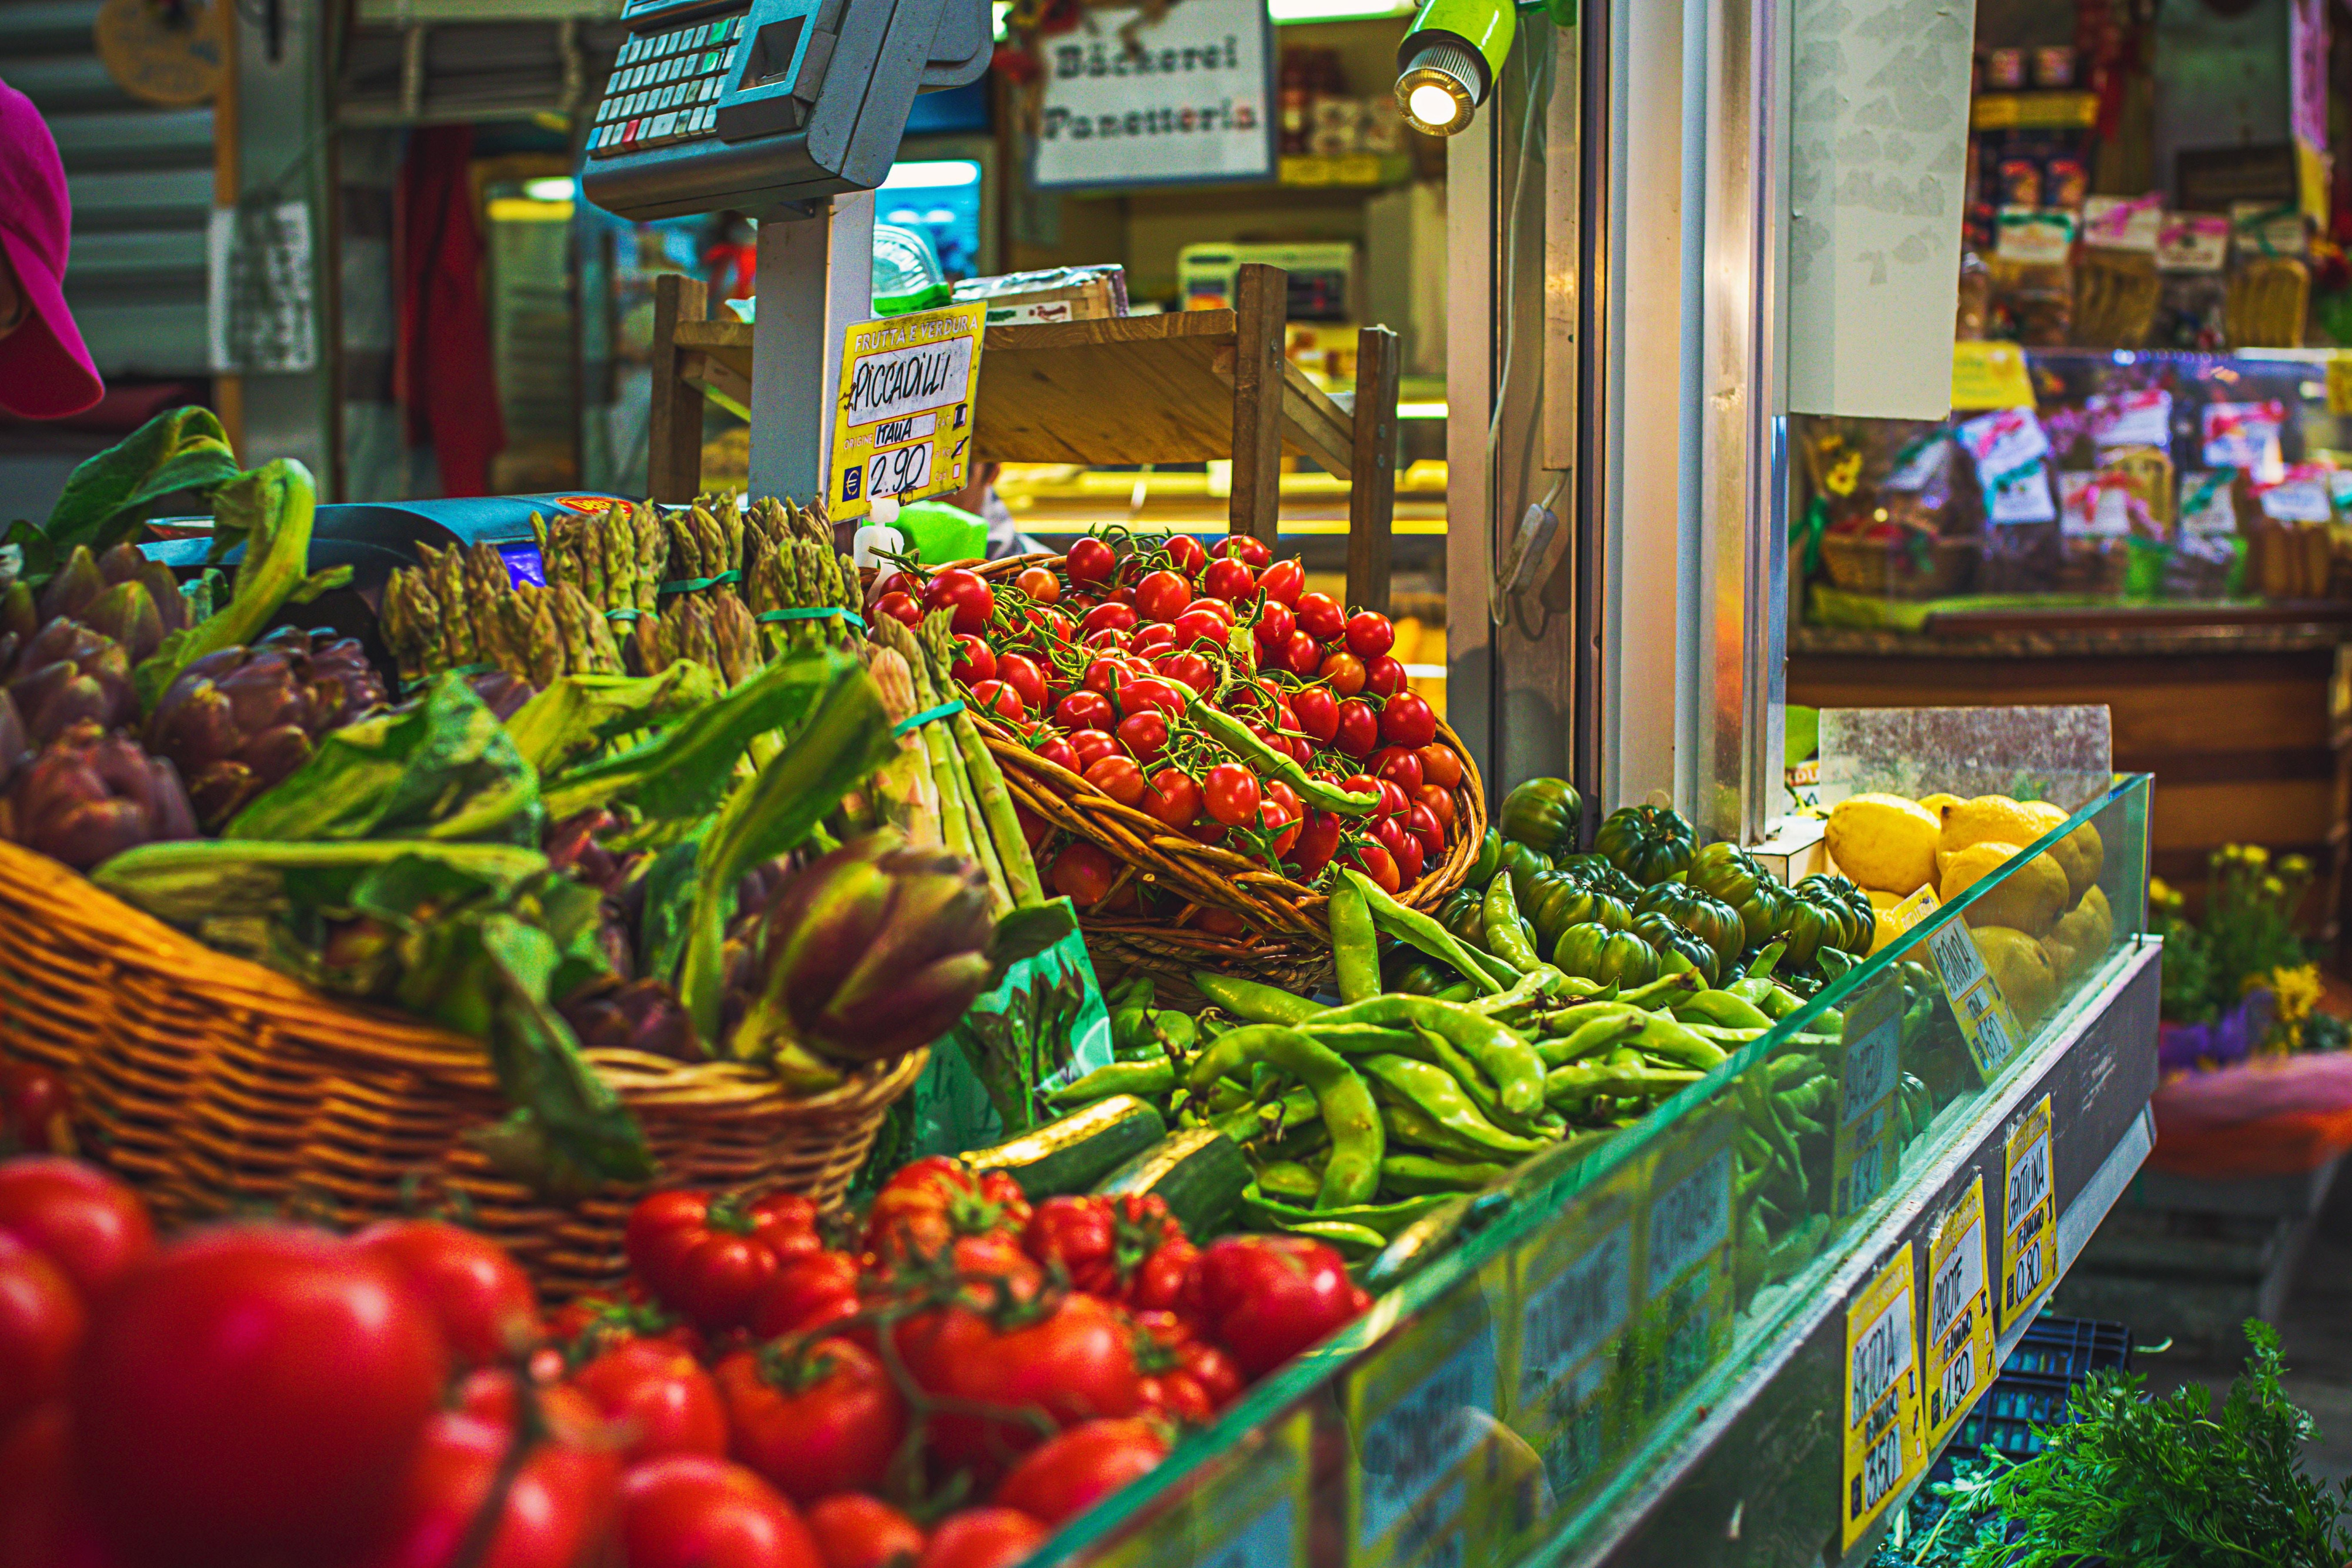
[1562,900]
[1671,941]
[1594,952]
[1521,863]
[1726,872]
[1465,915]
[1807,927]
[1546,814]
[1709,919]
[1489,861]
[1649,844]
[1595,870]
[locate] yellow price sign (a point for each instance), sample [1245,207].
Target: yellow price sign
[1885,1447]
[2340,382]
[1987,1023]
[1989,375]
[2029,1218]
[1959,1313]
[902,426]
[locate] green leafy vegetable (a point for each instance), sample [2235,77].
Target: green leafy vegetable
[109,495]
[1017,1042]
[579,714]
[190,881]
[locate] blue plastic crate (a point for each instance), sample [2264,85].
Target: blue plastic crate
[2053,1356]
[2071,1348]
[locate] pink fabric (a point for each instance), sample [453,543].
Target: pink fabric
[45,371]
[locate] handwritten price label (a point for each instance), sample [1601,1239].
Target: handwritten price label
[1885,1447]
[2029,1240]
[1865,1152]
[1418,1409]
[1686,1315]
[902,423]
[1959,1313]
[1986,1024]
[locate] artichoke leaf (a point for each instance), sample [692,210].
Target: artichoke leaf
[579,714]
[109,495]
[195,879]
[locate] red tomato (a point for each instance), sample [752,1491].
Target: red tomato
[1422,824]
[1222,922]
[1365,784]
[710,1257]
[1091,746]
[1186,555]
[1404,847]
[1107,618]
[899,607]
[1266,1297]
[1109,639]
[482,1300]
[1213,1369]
[1107,673]
[1200,625]
[1153,637]
[1300,656]
[1282,581]
[1228,579]
[889,582]
[1400,763]
[1079,1468]
[1393,802]
[984,1538]
[1276,623]
[1384,677]
[1039,584]
[253,1392]
[1280,823]
[926,1205]
[1056,750]
[975,661]
[854,1530]
[966,593]
[1189,670]
[1318,713]
[1344,671]
[1163,596]
[36,1111]
[1441,766]
[1076,1362]
[997,699]
[91,1225]
[657,1400]
[1377,863]
[43,1522]
[41,1326]
[587,1326]
[1159,1279]
[1246,547]
[813,1421]
[1101,1242]
[1369,634]
[1151,694]
[1085,710]
[1230,792]
[689,1510]
[1022,673]
[1438,802]
[1174,798]
[807,1294]
[1358,732]
[1319,837]
[557,1510]
[1118,778]
[1407,721]
[1146,735]
[1320,616]
[1089,560]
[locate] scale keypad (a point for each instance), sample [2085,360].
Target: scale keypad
[664,88]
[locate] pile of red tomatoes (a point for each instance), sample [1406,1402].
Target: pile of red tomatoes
[1093,663]
[939,1388]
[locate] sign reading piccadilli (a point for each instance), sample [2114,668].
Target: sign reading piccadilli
[1191,100]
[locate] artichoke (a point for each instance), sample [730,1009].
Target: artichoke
[89,796]
[69,674]
[14,747]
[643,1015]
[75,586]
[238,721]
[501,693]
[872,951]
[572,849]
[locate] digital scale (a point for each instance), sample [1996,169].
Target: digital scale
[790,111]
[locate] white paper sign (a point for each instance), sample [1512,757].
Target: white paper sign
[2132,418]
[1878,165]
[260,297]
[2297,501]
[2193,242]
[1191,100]
[2004,439]
[2244,435]
[2093,506]
[2123,223]
[2205,505]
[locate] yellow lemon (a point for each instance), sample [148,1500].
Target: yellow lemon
[1989,819]
[1939,803]
[2080,855]
[1881,933]
[2089,926]
[2030,898]
[1885,841]
[2021,966]
[2066,962]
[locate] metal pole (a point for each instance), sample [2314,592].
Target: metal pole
[816,277]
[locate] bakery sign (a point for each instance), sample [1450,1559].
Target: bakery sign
[1131,101]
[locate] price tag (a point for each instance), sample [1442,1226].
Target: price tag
[2243,436]
[1418,1410]
[1884,1448]
[1687,1235]
[902,428]
[1250,1509]
[2339,384]
[1865,1150]
[2142,418]
[2028,1218]
[1989,375]
[1571,1309]
[1986,1022]
[1960,1314]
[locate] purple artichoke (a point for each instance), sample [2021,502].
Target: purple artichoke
[20,622]
[74,588]
[238,721]
[643,1015]
[89,796]
[503,694]
[870,952]
[14,745]
[572,848]
[69,674]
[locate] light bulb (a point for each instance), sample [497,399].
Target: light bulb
[1432,106]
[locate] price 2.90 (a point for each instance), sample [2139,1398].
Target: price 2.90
[896,472]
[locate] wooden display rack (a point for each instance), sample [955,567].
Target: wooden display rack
[1190,387]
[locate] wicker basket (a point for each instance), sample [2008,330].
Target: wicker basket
[220,1087]
[1889,569]
[1288,941]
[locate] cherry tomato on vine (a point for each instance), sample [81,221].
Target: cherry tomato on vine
[1408,720]
[1343,670]
[1425,827]
[1054,625]
[1118,778]
[1230,791]
[895,581]
[1276,623]
[1441,765]
[999,698]
[1281,821]
[1407,847]
[1154,637]
[708,1257]
[1184,552]
[481,1298]
[658,1397]
[1393,802]
[1365,784]
[1228,579]
[1163,596]
[966,593]
[1319,837]
[1282,581]
[1083,872]
[1083,710]
[1299,655]
[1200,624]
[1113,617]
[812,1421]
[691,1511]
[1081,1466]
[1400,763]
[1106,674]
[899,607]
[1145,734]
[1369,634]
[1150,694]
[42,1321]
[1039,584]
[1024,676]
[982,1537]
[88,1222]
[1091,746]
[1359,733]
[1438,802]
[855,1531]
[1376,862]
[1246,547]
[1188,669]
[975,661]
[1317,712]
[806,1294]
[1321,615]
[1173,796]
[1109,639]
[1384,676]
[1089,560]
[1055,750]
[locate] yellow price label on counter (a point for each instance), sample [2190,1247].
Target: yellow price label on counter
[1959,1313]
[902,426]
[2029,1218]
[1989,375]
[2340,382]
[1986,1022]
[1885,1447]
[1864,1151]
[1419,1410]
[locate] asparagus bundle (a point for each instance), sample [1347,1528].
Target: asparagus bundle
[614,557]
[460,608]
[903,791]
[714,630]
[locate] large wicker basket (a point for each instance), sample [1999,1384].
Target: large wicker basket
[1287,943]
[222,1087]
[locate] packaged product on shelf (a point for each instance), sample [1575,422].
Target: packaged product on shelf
[1889,509]
[2010,452]
[1054,294]
[2245,436]
[2116,284]
[2032,281]
[2054,66]
[2192,253]
[2270,282]
[2004,70]
[1975,306]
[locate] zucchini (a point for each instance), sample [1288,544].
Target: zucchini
[1200,1172]
[1072,1153]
